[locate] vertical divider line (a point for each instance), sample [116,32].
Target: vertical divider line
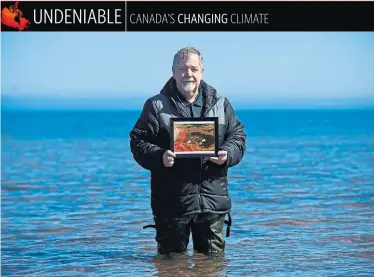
[125,16]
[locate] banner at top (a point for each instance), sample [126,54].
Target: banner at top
[186,16]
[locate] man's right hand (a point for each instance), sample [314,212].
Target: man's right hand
[168,158]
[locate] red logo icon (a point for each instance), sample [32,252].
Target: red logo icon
[13,17]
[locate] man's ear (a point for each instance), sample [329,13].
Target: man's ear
[173,72]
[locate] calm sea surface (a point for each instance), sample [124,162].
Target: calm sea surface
[74,201]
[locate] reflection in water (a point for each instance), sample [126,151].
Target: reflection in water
[184,265]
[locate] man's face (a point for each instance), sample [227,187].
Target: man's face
[188,74]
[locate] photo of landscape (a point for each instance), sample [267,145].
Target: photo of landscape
[194,137]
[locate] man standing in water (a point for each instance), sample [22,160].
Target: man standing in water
[189,194]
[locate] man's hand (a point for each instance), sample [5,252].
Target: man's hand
[168,158]
[221,159]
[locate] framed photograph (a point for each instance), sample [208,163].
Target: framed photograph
[194,137]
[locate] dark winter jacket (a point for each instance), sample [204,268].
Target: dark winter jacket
[191,185]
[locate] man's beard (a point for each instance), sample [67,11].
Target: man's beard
[189,86]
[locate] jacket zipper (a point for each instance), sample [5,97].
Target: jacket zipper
[201,181]
[181,112]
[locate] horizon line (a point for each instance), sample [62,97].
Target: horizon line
[240,109]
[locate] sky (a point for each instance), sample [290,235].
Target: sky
[122,70]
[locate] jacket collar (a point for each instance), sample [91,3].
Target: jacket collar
[208,95]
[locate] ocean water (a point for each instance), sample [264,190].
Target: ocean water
[74,201]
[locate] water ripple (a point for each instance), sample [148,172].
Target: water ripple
[302,206]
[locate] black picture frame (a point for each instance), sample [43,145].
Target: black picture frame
[198,141]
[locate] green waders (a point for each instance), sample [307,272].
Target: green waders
[172,234]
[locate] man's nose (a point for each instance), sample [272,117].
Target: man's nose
[189,72]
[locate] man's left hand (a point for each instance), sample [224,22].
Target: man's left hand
[221,159]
